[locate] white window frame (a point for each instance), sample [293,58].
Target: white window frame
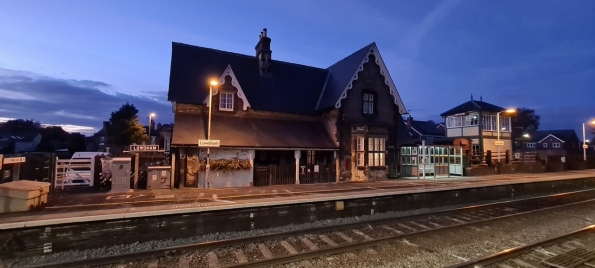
[544,145]
[368,103]
[224,96]
[376,152]
[530,145]
[556,145]
[360,151]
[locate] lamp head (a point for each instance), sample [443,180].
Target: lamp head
[526,135]
[214,82]
[152,115]
[592,122]
[510,111]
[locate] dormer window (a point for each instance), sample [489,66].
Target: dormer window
[226,102]
[368,103]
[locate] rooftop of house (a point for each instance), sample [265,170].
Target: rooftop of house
[473,105]
[562,134]
[428,128]
[287,87]
[18,136]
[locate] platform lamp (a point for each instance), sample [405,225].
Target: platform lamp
[585,141]
[498,127]
[150,125]
[208,167]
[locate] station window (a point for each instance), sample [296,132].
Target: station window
[376,151]
[544,145]
[359,147]
[226,102]
[556,145]
[531,145]
[368,103]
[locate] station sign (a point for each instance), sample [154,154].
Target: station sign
[499,143]
[209,143]
[585,146]
[144,147]
[14,160]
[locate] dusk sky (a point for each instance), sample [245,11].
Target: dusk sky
[74,62]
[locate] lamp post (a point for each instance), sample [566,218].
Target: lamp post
[585,141]
[150,122]
[208,167]
[498,127]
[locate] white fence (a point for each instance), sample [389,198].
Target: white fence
[74,172]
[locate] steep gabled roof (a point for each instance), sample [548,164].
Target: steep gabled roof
[473,105]
[291,88]
[565,135]
[345,71]
[341,74]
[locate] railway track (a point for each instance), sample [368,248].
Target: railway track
[570,250]
[287,247]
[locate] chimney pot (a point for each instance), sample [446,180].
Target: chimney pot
[265,32]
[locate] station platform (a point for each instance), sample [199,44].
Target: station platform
[83,205]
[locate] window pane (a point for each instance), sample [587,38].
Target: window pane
[370,159]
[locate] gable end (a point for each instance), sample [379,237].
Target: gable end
[387,80]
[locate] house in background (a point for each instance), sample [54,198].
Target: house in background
[553,142]
[425,130]
[19,142]
[476,121]
[293,123]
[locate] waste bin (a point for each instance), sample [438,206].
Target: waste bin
[159,177]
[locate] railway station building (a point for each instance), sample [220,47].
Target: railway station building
[281,123]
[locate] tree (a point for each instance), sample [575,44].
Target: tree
[526,119]
[52,138]
[124,127]
[21,125]
[76,143]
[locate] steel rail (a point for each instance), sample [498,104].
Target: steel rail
[516,251]
[161,252]
[366,244]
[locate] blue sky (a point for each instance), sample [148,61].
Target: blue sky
[74,62]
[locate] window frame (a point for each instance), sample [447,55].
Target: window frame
[531,145]
[368,106]
[556,145]
[360,151]
[376,151]
[221,99]
[544,145]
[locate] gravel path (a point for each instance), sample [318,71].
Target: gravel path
[443,248]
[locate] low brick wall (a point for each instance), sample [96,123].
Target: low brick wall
[523,168]
[479,171]
[577,165]
[555,167]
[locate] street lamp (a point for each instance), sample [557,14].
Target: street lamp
[585,141]
[208,167]
[498,127]
[150,122]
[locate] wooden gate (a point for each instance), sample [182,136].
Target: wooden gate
[324,173]
[266,175]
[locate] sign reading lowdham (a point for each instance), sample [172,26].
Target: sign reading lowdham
[14,160]
[144,147]
[499,143]
[209,143]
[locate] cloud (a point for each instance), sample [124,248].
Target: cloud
[75,104]
[419,32]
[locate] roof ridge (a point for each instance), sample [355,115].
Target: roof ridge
[248,56]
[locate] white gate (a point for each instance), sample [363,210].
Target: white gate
[73,172]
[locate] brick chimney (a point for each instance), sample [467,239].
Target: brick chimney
[263,52]
[409,122]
